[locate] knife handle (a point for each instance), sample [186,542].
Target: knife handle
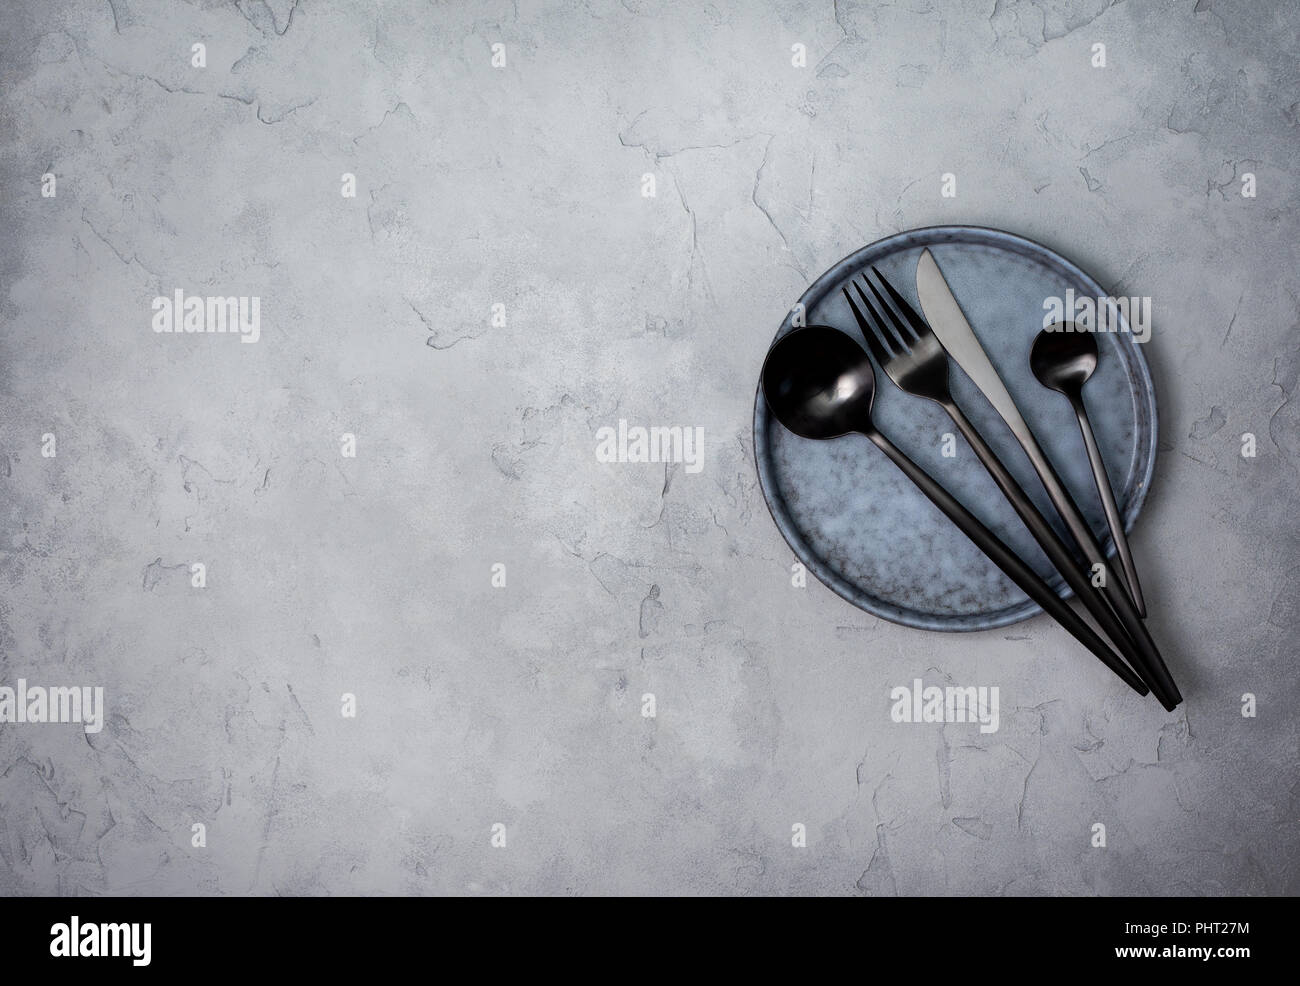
[1057,553]
[1008,561]
[1151,665]
[1149,662]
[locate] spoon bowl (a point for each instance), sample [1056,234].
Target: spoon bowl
[1064,357]
[819,383]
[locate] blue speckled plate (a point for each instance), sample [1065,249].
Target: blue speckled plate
[856,522]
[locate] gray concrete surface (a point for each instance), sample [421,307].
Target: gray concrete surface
[521,705]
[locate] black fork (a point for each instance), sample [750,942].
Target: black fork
[913,358]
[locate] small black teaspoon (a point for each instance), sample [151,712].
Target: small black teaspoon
[1062,359]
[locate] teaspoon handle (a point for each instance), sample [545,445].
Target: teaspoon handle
[1108,504]
[1008,561]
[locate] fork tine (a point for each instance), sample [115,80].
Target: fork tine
[915,322]
[874,343]
[905,338]
[892,338]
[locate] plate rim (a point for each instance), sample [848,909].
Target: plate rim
[984,620]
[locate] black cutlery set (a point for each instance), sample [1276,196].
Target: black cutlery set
[820,384]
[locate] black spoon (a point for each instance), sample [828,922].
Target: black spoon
[1063,358]
[820,384]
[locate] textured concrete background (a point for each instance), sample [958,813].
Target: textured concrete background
[521,185]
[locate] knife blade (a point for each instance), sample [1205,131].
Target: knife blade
[949,323]
[955,334]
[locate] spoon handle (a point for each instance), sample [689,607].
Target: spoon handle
[1113,518]
[1008,561]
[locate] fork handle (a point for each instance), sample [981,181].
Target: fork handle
[1057,553]
[1008,561]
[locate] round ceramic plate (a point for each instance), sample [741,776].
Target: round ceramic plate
[857,523]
